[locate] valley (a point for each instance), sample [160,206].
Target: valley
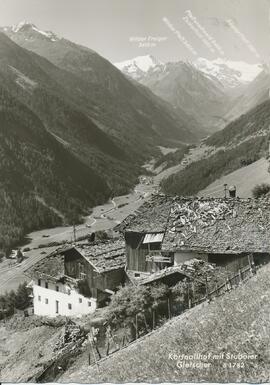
[103,217]
[134,192]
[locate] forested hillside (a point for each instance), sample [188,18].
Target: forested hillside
[58,99]
[240,143]
[42,184]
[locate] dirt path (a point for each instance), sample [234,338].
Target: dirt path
[103,217]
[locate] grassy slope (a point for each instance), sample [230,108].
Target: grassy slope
[245,141]
[199,174]
[235,323]
[245,179]
[25,348]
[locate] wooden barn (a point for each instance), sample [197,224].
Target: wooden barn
[99,269]
[143,238]
[228,232]
[168,231]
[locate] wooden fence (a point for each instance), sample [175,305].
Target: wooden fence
[241,276]
[116,343]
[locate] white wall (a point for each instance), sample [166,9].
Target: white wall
[40,294]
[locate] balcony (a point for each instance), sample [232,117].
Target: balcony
[157,257]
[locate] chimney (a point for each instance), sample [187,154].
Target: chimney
[232,191]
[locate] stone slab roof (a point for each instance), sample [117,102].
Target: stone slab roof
[151,217]
[105,256]
[218,225]
[214,225]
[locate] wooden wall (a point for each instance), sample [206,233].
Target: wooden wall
[233,262]
[136,253]
[96,282]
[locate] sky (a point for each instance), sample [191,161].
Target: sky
[123,29]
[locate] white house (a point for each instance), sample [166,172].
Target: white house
[75,280]
[60,298]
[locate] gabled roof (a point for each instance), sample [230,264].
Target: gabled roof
[104,256]
[218,225]
[49,267]
[159,275]
[213,225]
[151,217]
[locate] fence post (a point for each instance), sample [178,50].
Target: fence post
[189,300]
[240,276]
[206,288]
[169,308]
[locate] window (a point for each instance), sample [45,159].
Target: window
[46,301]
[80,300]
[137,274]
[39,298]
[57,288]
[46,285]
[69,306]
[57,307]
[39,282]
[89,303]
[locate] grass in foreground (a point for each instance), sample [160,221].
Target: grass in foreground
[237,323]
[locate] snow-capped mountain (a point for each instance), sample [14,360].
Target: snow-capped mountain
[30,30]
[183,85]
[139,66]
[230,73]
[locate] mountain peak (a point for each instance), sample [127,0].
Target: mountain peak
[22,25]
[28,27]
[138,66]
[230,73]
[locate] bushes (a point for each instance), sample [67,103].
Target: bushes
[14,300]
[101,235]
[260,190]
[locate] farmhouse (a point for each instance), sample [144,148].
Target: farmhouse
[167,231]
[78,279]
[162,235]
[144,233]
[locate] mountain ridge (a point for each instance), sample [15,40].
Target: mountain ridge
[109,88]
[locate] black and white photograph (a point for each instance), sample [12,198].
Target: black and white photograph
[134,191]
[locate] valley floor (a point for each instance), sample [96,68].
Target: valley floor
[103,217]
